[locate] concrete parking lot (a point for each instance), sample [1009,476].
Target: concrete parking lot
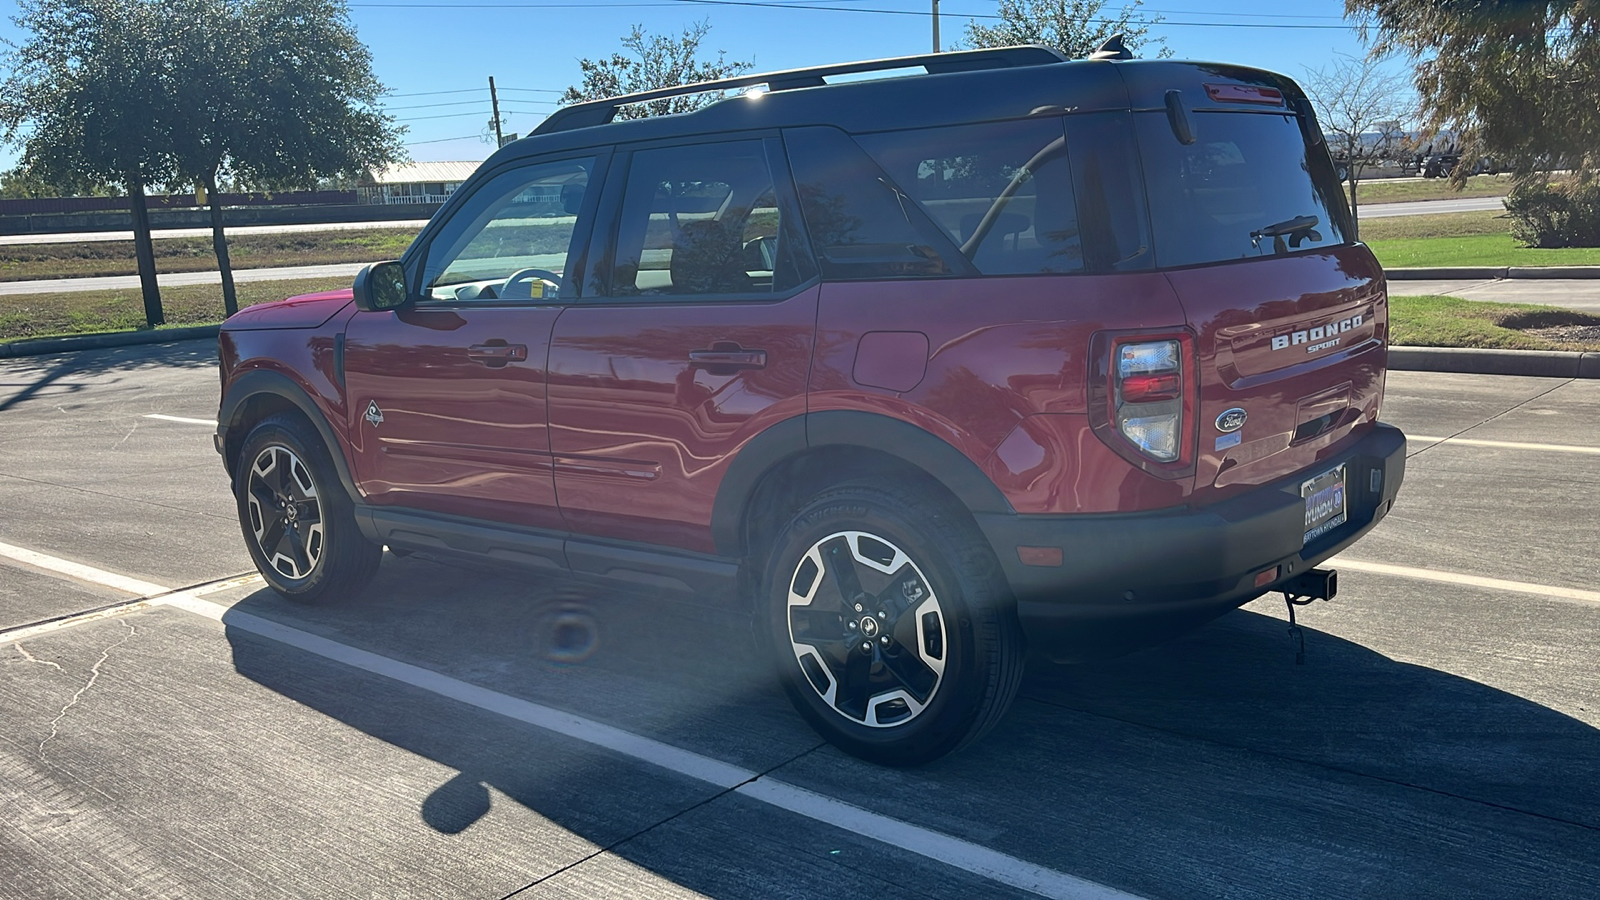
[462,732]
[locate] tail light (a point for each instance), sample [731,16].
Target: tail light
[1144,399]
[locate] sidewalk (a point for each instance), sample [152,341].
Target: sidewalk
[1576,293]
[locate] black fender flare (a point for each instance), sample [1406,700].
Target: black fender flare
[266,381]
[846,428]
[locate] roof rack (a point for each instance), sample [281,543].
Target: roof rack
[599,112]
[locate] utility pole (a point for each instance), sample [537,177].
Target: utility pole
[494,100]
[936,26]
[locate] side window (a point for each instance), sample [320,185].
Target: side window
[511,239]
[700,220]
[1002,192]
[1111,197]
[861,224]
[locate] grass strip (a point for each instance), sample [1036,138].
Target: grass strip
[88,312]
[1462,239]
[26,262]
[1433,321]
[1394,190]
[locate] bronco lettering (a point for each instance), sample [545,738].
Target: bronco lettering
[1285,341]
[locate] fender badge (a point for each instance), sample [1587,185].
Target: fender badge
[374,414]
[1231,420]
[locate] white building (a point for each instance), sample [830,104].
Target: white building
[426,182]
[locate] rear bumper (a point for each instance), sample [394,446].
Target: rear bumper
[1138,578]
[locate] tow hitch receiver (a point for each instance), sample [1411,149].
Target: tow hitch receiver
[1302,590]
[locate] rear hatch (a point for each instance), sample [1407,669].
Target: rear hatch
[1250,223]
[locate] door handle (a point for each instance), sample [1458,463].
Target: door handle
[727,357]
[497,353]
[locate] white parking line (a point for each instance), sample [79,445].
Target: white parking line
[81,572]
[1507,445]
[964,855]
[1494,584]
[186,421]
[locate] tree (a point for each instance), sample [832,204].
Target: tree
[271,92]
[1075,27]
[656,61]
[1515,81]
[1361,107]
[84,100]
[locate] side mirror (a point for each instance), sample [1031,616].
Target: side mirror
[381,286]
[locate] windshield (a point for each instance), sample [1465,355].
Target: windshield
[1245,188]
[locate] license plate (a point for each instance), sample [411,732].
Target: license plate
[1325,503]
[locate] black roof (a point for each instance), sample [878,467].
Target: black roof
[965,87]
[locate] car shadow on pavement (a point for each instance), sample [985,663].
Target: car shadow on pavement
[27,378]
[690,676]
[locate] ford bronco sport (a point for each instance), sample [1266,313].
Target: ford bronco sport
[1014,353]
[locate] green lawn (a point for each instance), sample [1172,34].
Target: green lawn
[1432,321]
[24,262]
[1477,250]
[87,312]
[1393,190]
[1462,239]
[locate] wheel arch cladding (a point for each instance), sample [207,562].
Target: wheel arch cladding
[826,448]
[257,395]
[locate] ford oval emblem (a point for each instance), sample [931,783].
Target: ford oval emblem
[1231,420]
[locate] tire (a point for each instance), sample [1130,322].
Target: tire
[943,651]
[298,522]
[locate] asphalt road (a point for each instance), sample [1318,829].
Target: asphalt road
[1427,207]
[81,237]
[124,282]
[451,733]
[131,282]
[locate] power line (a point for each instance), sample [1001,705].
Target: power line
[768,4]
[435,105]
[443,140]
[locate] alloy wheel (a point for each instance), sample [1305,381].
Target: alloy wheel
[867,629]
[286,514]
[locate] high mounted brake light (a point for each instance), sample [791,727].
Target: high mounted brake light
[1244,93]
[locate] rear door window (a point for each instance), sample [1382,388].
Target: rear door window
[1000,191]
[702,220]
[1246,188]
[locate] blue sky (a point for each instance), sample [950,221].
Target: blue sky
[421,49]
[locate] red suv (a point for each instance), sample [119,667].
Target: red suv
[925,371]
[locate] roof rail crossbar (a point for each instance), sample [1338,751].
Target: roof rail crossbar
[599,112]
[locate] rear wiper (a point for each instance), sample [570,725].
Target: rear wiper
[1296,229]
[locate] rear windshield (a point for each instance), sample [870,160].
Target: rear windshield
[1246,188]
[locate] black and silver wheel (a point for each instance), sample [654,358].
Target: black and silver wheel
[891,627]
[297,520]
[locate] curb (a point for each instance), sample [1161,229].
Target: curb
[43,346]
[1447,273]
[1545,363]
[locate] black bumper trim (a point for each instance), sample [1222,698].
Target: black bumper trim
[1132,568]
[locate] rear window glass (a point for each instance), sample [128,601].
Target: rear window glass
[1002,192]
[1246,188]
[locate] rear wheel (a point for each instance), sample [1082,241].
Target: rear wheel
[891,626]
[298,522]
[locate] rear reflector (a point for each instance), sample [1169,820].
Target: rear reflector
[1267,577]
[1140,388]
[1244,93]
[1039,556]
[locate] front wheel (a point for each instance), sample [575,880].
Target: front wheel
[891,625]
[298,522]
